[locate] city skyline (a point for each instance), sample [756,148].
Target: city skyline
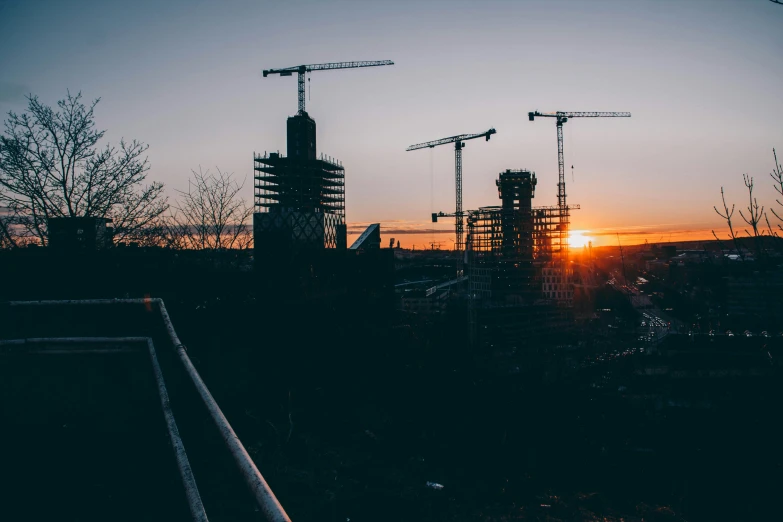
[699,78]
[434,260]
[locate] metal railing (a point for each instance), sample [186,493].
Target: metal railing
[263,494]
[195,505]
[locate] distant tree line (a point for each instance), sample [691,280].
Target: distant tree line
[53,164]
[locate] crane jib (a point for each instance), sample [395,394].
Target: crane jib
[459,143]
[302,70]
[452,139]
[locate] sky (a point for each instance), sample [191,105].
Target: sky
[702,79]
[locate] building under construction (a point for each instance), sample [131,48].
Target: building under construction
[299,229]
[299,198]
[518,278]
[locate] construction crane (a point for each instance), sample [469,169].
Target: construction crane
[560,118]
[459,144]
[301,70]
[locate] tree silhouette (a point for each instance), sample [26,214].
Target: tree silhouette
[210,215]
[7,237]
[727,215]
[777,178]
[51,166]
[755,212]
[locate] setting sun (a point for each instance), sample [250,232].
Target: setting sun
[578,239]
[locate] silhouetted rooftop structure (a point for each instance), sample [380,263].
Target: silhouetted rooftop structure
[79,233]
[299,198]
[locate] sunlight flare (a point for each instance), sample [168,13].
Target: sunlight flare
[578,238]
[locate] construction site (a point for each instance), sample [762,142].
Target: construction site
[331,312]
[243,279]
[519,286]
[299,223]
[355,373]
[513,275]
[513,270]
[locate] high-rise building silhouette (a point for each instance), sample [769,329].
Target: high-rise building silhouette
[299,198]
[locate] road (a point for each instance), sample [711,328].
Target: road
[655,324]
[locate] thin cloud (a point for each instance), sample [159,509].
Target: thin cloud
[403,231]
[400,227]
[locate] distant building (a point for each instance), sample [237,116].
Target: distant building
[757,295]
[79,233]
[657,267]
[423,301]
[370,239]
[668,251]
[430,300]
[555,286]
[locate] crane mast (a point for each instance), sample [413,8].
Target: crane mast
[301,70]
[560,118]
[459,144]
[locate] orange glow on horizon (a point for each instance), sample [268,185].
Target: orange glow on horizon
[422,235]
[578,238]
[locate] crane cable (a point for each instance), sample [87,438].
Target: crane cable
[571,148]
[432,191]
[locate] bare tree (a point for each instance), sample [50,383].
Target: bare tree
[754,217]
[777,178]
[211,215]
[51,166]
[755,213]
[727,215]
[7,238]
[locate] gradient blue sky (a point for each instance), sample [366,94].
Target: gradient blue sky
[702,78]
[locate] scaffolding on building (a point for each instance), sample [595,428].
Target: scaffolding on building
[313,185]
[488,246]
[305,195]
[518,277]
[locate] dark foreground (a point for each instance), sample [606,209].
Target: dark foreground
[349,414]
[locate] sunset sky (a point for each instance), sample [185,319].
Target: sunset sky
[703,80]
